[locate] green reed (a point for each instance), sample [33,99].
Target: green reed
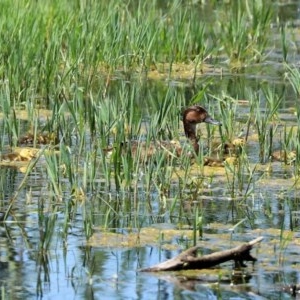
[227,107]
[53,167]
[11,122]
[241,176]
[243,30]
[285,239]
[66,57]
[197,226]
[288,142]
[297,147]
[263,120]
[294,78]
[88,221]
[54,48]
[284,42]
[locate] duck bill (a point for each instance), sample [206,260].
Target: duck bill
[212,121]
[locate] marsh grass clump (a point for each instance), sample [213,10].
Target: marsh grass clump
[264,120]
[229,130]
[54,47]
[288,145]
[241,176]
[11,124]
[243,30]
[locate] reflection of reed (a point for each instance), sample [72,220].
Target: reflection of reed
[43,273]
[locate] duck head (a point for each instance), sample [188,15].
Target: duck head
[192,116]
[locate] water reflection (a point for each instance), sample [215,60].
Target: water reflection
[93,273]
[67,268]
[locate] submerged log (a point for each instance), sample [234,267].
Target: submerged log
[188,260]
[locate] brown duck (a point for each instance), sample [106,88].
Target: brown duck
[191,116]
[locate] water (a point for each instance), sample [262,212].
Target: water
[107,270]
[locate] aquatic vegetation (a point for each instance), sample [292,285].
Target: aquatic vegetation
[84,82]
[264,120]
[243,30]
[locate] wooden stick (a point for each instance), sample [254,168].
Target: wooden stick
[188,260]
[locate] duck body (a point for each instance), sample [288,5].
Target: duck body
[191,116]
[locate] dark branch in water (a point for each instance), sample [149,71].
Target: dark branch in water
[188,260]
